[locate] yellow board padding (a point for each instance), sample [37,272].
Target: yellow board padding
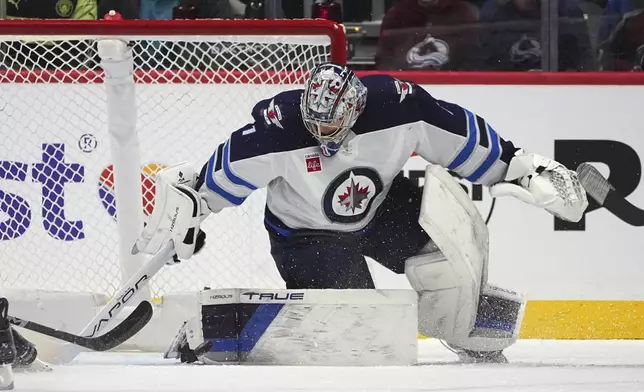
[583,319]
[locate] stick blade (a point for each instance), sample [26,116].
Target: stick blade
[593,182]
[129,327]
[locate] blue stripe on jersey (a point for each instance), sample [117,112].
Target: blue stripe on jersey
[229,173]
[213,186]
[470,145]
[280,230]
[493,155]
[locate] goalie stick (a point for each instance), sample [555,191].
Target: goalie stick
[606,196]
[119,334]
[120,299]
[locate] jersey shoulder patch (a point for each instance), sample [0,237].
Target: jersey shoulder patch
[272,115]
[388,101]
[277,127]
[280,110]
[387,88]
[403,89]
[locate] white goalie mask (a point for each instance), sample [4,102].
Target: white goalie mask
[332,101]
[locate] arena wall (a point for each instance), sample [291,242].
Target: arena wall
[583,281]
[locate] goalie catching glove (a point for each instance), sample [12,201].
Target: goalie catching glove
[544,183]
[178,212]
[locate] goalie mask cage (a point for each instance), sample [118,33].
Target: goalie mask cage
[70,116]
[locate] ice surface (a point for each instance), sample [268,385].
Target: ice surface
[536,366]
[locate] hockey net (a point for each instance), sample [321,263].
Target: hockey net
[196,82]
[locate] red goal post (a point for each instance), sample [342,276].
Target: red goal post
[66,128]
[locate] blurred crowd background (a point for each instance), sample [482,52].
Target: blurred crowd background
[454,35]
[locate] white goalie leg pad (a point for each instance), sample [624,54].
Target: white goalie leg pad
[178,211]
[498,321]
[306,327]
[448,295]
[449,277]
[6,377]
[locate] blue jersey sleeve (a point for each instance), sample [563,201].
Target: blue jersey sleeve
[228,181]
[251,157]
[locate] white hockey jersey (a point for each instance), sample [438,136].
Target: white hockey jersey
[307,190]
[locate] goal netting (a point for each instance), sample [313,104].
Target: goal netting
[195,83]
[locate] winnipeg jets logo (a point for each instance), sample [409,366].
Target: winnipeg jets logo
[354,196]
[273,115]
[350,195]
[403,89]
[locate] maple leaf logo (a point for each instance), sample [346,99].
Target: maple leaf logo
[354,196]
